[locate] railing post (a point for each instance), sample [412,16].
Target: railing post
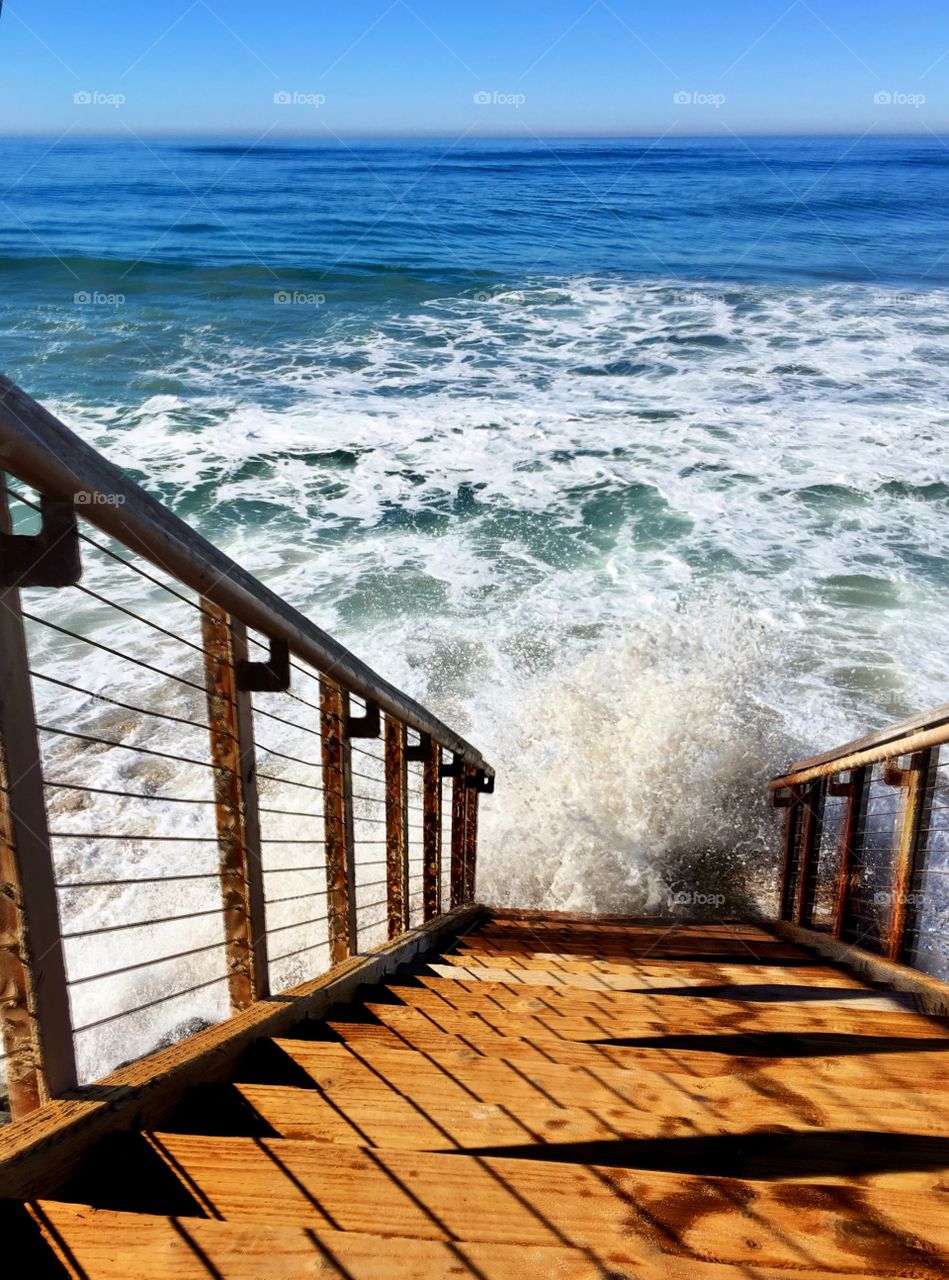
[397,816]
[432,832]
[338,822]
[912,781]
[809,841]
[853,792]
[471,834]
[34,997]
[459,836]
[231,725]
[791,803]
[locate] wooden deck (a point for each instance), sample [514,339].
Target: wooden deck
[547,1098]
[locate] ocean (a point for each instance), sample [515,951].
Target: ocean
[625,456]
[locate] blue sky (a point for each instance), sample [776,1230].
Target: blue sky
[486,66]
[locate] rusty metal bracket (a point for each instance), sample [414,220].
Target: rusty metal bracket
[837,787]
[49,558]
[895,775]
[482,782]
[272,676]
[455,769]
[365,726]
[784,798]
[912,780]
[422,750]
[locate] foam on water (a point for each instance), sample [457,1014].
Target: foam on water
[640,544]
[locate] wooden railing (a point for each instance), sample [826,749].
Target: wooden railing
[866,847]
[160,862]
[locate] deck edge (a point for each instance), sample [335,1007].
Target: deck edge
[932,993]
[41,1151]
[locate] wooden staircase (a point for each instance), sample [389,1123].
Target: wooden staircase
[549,1098]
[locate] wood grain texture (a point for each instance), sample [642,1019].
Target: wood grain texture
[94,1244]
[557,1100]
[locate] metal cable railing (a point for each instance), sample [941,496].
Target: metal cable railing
[866,846]
[203,798]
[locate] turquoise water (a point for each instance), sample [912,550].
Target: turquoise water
[627,457]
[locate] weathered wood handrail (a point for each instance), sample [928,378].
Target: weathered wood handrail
[71,479]
[878,898]
[44,453]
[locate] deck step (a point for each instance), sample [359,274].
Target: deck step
[95,1244]
[613,1212]
[704,995]
[541,1024]
[691,1053]
[471,1101]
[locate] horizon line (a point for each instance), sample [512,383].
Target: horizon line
[409,136]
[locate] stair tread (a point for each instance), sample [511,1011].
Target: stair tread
[531,1016]
[551,1099]
[97,1244]
[694,1052]
[537,1202]
[658,994]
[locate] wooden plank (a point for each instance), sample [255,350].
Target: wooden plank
[394,1100]
[432,832]
[690,1055]
[541,1026]
[231,727]
[459,833]
[661,998]
[888,737]
[338,822]
[397,830]
[932,993]
[632,978]
[96,1244]
[452,969]
[801,1087]
[471,837]
[913,783]
[34,1008]
[46,1147]
[535,1202]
